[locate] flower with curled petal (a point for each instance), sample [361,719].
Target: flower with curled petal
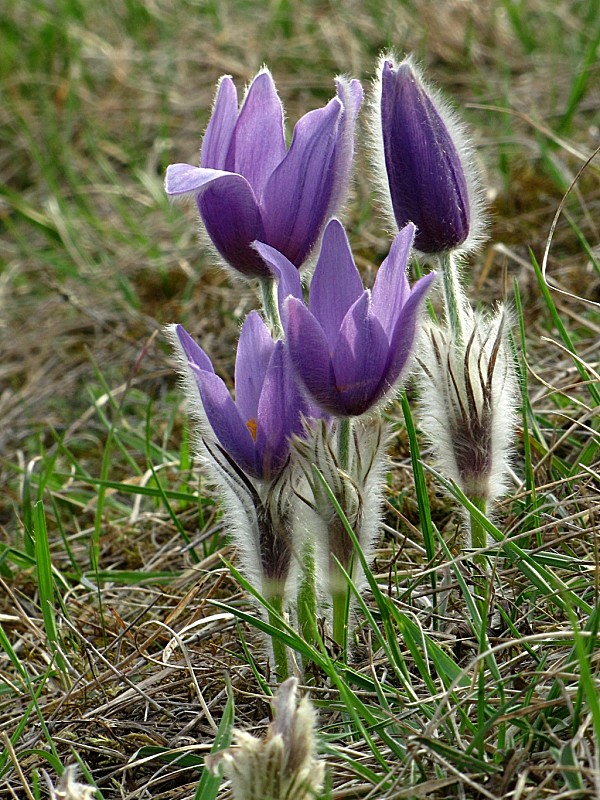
[249,186]
[244,444]
[254,430]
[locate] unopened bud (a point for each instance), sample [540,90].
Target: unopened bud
[283,765]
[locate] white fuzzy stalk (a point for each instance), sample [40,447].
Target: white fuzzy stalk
[358,489]
[468,402]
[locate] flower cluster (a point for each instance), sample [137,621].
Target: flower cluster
[312,373]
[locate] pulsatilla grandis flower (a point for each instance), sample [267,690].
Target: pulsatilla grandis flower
[244,445]
[269,407]
[427,163]
[283,765]
[350,346]
[68,788]
[249,186]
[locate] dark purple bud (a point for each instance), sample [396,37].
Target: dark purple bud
[425,173]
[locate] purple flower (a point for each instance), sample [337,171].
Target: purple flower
[269,407]
[426,177]
[249,186]
[350,346]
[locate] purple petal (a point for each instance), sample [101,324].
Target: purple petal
[186,180]
[279,413]
[309,354]
[350,94]
[284,272]
[233,222]
[193,352]
[217,138]
[336,283]
[425,173]
[298,193]
[391,289]
[228,209]
[254,351]
[360,357]
[258,142]
[226,422]
[404,334]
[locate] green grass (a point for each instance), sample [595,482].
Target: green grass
[112,544]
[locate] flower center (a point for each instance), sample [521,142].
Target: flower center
[251,425]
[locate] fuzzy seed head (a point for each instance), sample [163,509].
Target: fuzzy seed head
[283,765]
[468,401]
[68,788]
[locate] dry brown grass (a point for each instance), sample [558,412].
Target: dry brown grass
[95,263]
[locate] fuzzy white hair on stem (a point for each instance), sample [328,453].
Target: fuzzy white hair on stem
[468,402]
[358,490]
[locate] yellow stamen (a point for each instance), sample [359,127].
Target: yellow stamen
[251,425]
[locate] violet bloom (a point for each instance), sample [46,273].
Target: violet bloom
[428,182]
[249,186]
[255,429]
[350,346]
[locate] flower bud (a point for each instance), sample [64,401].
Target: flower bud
[281,766]
[68,788]
[423,162]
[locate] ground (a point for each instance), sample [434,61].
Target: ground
[114,652]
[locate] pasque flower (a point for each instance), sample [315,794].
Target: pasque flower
[254,430]
[68,788]
[249,186]
[426,161]
[283,765]
[350,346]
[244,446]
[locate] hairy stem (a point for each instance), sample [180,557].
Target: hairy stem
[340,601]
[344,435]
[280,654]
[307,596]
[268,288]
[479,542]
[454,300]
[337,582]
